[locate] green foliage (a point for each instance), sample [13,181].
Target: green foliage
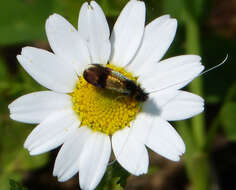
[195,7]
[115,178]
[23,20]
[121,173]
[112,8]
[228,120]
[183,9]
[16,186]
[14,159]
[68,9]
[227,114]
[174,8]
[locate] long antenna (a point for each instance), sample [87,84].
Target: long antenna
[200,74]
[225,59]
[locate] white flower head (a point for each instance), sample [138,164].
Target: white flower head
[89,122]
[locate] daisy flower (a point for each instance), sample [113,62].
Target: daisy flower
[91,122]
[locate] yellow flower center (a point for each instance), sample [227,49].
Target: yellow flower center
[104,110]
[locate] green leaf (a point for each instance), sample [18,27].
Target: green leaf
[15,161]
[4,179]
[112,8]
[228,120]
[15,185]
[231,94]
[115,178]
[195,7]
[120,172]
[68,9]
[23,20]
[16,158]
[174,8]
[183,9]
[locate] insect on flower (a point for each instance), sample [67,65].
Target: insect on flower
[105,77]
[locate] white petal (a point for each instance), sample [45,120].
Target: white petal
[52,132]
[156,101]
[130,153]
[175,73]
[66,42]
[158,36]
[94,29]
[83,22]
[127,33]
[93,161]
[183,106]
[48,70]
[161,98]
[159,136]
[35,107]
[67,161]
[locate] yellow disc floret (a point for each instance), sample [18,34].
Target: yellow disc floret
[104,110]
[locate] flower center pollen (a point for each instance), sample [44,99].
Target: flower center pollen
[104,110]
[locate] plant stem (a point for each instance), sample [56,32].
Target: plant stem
[196,159]
[193,47]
